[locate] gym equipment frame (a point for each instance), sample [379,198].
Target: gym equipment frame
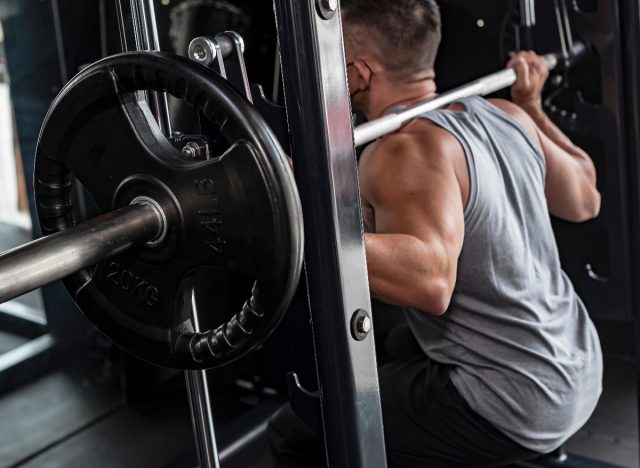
[347,406]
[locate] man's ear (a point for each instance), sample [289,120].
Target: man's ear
[364,73]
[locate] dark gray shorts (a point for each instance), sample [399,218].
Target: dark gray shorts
[427,424]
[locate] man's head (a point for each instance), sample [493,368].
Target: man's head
[394,40]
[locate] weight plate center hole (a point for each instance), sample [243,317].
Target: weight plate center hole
[162,217]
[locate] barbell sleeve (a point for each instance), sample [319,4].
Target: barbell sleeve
[391,122]
[53,257]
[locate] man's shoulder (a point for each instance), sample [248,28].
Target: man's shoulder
[508,107]
[409,159]
[517,113]
[420,142]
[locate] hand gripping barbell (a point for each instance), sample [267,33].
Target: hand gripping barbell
[502,79]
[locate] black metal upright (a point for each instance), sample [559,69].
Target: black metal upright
[319,116]
[630,25]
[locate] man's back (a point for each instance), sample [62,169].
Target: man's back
[526,354]
[509,319]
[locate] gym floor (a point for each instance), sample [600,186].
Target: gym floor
[73,418]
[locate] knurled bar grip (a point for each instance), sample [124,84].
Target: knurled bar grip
[389,123]
[53,257]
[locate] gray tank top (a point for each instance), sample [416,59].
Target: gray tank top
[526,356]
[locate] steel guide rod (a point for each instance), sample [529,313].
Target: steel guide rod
[146,36]
[200,406]
[528,13]
[145,31]
[369,131]
[53,257]
[524,33]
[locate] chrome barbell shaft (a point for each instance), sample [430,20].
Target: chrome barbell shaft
[391,122]
[53,257]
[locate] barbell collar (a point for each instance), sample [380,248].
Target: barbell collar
[58,255]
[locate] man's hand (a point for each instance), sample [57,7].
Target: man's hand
[532,74]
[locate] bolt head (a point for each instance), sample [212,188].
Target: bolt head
[190,151]
[199,53]
[202,50]
[364,325]
[331,5]
[327,8]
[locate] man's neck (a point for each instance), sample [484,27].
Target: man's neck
[401,97]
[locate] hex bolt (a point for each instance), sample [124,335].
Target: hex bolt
[331,5]
[364,324]
[199,53]
[191,150]
[360,324]
[327,8]
[202,50]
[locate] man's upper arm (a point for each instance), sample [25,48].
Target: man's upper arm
[413,189]
[564,189]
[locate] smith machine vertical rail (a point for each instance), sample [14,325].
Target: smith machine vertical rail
[317,97]
[313,67]
[145,35]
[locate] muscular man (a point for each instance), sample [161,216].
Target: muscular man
[456,207]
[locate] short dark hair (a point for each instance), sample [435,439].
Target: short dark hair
[404,34]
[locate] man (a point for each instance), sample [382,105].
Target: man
[456,207]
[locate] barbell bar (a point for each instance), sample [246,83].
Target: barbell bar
[374,129]
[58,255]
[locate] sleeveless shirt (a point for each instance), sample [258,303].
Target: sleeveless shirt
[526,355]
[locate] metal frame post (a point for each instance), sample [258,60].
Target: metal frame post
[200,405]
[527,23]
[630,23]
[145,34]
[143,17]
[313,67]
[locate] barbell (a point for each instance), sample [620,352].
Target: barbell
[163,217]
[389,123]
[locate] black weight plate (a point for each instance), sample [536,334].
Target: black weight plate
[239,210]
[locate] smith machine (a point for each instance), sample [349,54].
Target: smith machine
[171,204]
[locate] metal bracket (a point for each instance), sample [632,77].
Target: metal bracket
[192,147]
[275,115]
[305,404]
[223,54]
